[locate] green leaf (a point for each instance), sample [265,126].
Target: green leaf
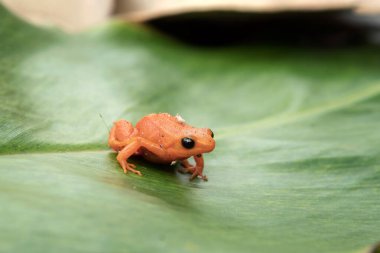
[296,167]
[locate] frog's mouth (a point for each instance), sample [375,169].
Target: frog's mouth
[205,146]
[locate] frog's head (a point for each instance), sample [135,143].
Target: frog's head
[198,141]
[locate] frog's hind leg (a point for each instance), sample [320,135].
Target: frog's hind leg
[121,139]
[121,132]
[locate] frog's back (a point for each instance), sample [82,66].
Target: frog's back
[161,126]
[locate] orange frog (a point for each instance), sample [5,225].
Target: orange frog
[161,138]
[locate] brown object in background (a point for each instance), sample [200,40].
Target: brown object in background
[68,15]
[369,7]
[143,10]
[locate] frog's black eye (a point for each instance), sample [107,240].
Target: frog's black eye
[212,133]
[187,143]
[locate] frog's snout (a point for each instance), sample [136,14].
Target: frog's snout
[210,145]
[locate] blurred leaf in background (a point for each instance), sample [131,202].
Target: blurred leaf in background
[296,168]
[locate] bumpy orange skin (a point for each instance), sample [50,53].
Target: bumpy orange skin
[158,138]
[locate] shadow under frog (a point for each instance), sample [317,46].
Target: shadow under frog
[164,182]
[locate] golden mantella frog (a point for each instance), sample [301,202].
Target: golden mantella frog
[161,138]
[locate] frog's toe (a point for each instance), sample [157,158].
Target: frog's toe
[197,174]
[187,170]
[137,172]
[131,168]
[131,165]
[194,175]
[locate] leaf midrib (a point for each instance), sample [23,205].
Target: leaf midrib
[266,123]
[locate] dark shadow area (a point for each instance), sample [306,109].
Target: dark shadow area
[306,29]
[375,249]
[163,182]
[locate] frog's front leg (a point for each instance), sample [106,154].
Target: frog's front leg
[196,170]
[125,153]
[199,165]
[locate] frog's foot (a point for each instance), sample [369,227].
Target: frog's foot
[129,167]
[196,173]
